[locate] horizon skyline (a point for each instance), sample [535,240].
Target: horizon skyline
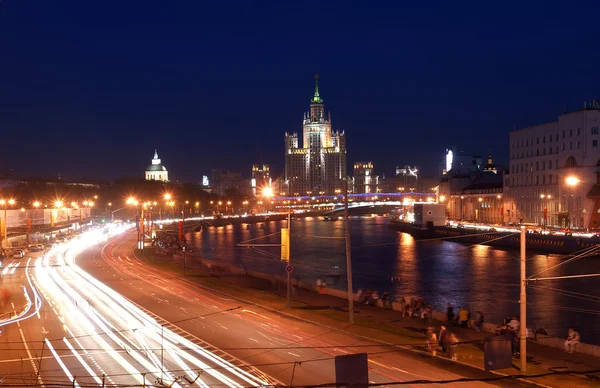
[90,92]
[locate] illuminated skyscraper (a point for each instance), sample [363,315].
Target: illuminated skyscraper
[319,166]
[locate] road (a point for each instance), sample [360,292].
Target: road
[97,316]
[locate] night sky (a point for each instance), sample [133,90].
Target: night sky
[89,88]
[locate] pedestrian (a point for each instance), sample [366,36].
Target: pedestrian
[511,335]
[323,287]
[429,315]
[453,346]
[385,299]
[463,317]
[468,317]
[442,338]
[478,320]
[431,340]
[424,316]
[449,313]
[359,296]
[514,324]
[572,340]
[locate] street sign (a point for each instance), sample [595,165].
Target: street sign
[289,268]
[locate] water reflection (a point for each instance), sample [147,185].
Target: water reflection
[479,277]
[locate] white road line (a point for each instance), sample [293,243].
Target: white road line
[294,354]
[30,357]
[252,339]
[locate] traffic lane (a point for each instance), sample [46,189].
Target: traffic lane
[171,289]
[123,313]
[380,372]
[289,357]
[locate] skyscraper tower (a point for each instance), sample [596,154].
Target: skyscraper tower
[319,167]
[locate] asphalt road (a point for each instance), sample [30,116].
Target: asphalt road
[94,315]
[280,347]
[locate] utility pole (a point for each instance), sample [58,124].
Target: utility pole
[183,234]
[289,225]
[523,304]
[348,256]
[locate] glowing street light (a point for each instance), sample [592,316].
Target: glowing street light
[442,198]
[267,191]
[167,196]
[58,204]
[36,204]
[572,180]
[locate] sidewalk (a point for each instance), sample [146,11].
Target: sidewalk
[384,324]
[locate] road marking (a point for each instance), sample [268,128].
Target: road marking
[294,354]
[30,357]
[252,339]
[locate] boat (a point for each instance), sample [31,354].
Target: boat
[331,218]
[499,237]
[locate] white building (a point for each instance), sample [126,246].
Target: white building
[541,159]
[319,167]
[156,171]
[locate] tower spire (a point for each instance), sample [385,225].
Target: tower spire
[155,154]
[316,98]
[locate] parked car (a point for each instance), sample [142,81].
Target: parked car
[35,247]
[18,253]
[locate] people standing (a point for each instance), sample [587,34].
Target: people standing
[442,338]
[449,313]
[453,346]
[431,340]
[479,319]
[463,317]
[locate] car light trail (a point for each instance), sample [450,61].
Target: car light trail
[94,315]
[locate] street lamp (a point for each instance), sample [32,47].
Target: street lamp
[571,181]
[5,203]
[544,196]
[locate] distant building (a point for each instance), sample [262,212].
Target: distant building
[459,162]
[406,179]
[474,194]
[319,166]
[156,171]
[261,178]
[543,156]
[221,180]
[364,180]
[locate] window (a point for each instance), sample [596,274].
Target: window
[570,145]
[537,152]
[538,141]
[550,150]
[564,134]
[578,131]
[537,179]
[537,166]
[578,144]
[595,130]
[543,179]
[563,147]
[543,165]
[549,179]
[595,143]
[570,133]
[544,139]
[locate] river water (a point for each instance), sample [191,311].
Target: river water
[441,272]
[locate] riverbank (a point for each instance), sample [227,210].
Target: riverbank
[385,325]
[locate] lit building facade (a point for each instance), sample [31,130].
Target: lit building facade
[156,171]
[261,178]
[364,180]
[319,166]
[542,157]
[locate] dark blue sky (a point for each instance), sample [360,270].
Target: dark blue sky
[89,89]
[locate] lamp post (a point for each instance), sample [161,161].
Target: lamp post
[5,203]
[545,209]
[571,181]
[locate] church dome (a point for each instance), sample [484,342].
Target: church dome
[156,167]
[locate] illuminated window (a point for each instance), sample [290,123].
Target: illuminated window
[595,130]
